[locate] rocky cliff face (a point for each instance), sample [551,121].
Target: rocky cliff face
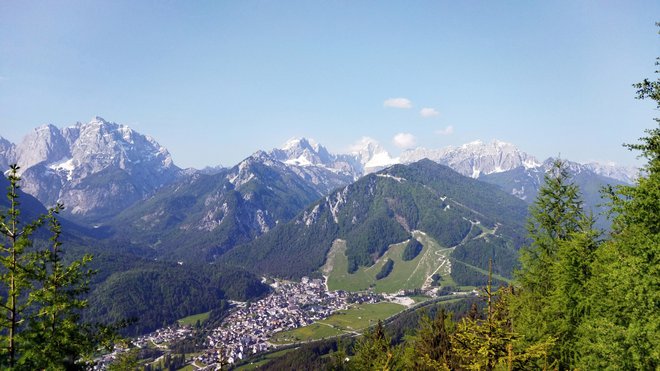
[201,216]
[313,163]
[96,169]
[44,144]
[7,153]
[476,158]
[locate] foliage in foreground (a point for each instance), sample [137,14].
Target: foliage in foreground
[582,299]
[40,295]
[596,298]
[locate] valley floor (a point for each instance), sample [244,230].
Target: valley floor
[250,327]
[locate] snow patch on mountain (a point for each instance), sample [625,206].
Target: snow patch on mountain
[372,155]
[398,179]
[242,174]
[476,158]
[68,166]
[627,174]
[300,161]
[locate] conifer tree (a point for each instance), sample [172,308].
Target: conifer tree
[483,344]
[17,271]
[339,358]
[567,306]
[40,326]
[54,333]
[556,217]
[555,214]
[431,347]
[622,330]
[374,351]
[489,342]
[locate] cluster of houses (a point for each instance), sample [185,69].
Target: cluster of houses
[247,330]
[160,339]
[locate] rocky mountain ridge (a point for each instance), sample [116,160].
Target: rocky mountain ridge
[474,159]
[93,168]
[201,216]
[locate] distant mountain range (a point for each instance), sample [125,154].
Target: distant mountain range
[476,158]
[101,169]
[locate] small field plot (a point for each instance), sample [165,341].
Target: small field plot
[362,316]
[191,320]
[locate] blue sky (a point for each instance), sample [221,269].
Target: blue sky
[213,81]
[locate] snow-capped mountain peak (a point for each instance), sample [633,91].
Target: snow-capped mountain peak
[296,143]
[303,152]
[372,155]
[626,174]
[82,164]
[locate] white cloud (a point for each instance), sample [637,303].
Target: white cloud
[397,103]
[404,140]
[449,130]
[428,112]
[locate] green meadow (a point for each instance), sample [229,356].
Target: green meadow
[405,275]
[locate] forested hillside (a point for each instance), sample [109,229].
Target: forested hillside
[155,295]
[525,184]
[201,217]
[385,208]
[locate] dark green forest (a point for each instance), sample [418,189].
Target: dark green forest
[412,249]
[158,295]
[385,270]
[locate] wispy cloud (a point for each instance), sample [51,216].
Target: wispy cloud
[397,103]
[404,140]
[429,112]
[449,130]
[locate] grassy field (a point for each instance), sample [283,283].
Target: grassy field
[354,319]
[314,331]
[420,298]
[406,275]
[362,316]
[191,320]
